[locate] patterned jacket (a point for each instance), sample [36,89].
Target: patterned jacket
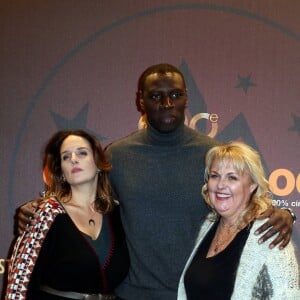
[27,248]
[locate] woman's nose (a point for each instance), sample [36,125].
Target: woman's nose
[221,183]
[74,158]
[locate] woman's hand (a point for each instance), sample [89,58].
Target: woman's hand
[280,221]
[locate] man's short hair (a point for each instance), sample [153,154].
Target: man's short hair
[161,69]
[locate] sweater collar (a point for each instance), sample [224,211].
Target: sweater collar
[173,138]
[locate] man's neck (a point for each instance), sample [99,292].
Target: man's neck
[165,138]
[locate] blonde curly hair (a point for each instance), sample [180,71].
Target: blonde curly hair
[244,159]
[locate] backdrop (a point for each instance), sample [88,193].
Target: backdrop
[76,64]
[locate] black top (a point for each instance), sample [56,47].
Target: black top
[213,278]
[70,261]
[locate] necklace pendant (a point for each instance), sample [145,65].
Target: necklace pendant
[91,222]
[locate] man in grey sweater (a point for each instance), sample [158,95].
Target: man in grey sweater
[156,176]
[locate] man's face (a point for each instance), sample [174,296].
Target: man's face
[164,100]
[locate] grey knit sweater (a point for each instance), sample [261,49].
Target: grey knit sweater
[157,179]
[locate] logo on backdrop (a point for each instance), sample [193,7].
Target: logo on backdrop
[285,181]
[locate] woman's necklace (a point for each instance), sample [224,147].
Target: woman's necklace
[224,237]
[92,218]
[91,222]
[230,227]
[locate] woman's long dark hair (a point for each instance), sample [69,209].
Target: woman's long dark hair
[56,186]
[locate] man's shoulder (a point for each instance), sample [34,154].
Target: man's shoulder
[126,141]
[198,138]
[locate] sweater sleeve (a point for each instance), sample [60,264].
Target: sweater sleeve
[265,273]
[27,248]
[283,270]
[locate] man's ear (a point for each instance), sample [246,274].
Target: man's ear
[141,101]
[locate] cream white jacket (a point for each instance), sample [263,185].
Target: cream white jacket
[263,274]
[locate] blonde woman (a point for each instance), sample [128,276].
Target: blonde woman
[227,262]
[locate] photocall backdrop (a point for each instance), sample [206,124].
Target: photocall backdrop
[75,64]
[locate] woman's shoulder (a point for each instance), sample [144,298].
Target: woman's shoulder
[114,214]
[50,206]
[114,218]
[263,248]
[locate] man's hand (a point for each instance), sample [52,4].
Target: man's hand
[25,214]
[281,222]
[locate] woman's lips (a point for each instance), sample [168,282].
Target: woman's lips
[76,170]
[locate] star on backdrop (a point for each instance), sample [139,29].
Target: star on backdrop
[296,126]
[245,83]
[78,122]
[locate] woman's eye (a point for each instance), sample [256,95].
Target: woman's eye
[213,176]
[82,153]
[66,157]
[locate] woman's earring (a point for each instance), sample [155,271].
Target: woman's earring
[63,179]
